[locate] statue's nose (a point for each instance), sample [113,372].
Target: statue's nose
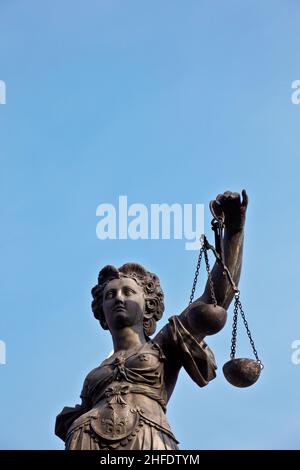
[119,297]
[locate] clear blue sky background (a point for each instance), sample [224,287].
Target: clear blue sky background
[163,101]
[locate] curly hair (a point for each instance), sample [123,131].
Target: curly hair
[149,282]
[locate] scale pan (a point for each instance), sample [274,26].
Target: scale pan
[242,372]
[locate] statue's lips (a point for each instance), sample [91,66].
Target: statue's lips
[119,309]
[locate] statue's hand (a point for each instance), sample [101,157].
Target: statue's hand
[233,209]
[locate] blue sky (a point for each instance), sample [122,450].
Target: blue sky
[163,102]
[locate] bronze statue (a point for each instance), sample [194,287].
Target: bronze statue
[124,399]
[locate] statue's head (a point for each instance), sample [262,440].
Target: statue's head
[127,295]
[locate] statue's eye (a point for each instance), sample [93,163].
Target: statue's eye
[128,291]
[109,295]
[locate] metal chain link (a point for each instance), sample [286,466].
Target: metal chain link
[237,307]
[248,330]
[203,250]
[196,275]
[234,329]
[210,281]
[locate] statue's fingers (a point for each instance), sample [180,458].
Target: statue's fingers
[229,199]
[220,198]
[216,209]
[245,199]
[228,194]
[235,200]
[232,195]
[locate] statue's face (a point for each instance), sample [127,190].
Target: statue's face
[123,303]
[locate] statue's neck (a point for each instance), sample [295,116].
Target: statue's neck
[128,338]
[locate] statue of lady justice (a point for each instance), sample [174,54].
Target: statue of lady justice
[124,399]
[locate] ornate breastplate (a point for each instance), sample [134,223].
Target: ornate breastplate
[116,418]
[127,391]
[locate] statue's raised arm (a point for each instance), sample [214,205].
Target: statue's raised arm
[233,209]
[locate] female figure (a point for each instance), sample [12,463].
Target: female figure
[124,399]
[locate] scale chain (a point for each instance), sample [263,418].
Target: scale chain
[237,303]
